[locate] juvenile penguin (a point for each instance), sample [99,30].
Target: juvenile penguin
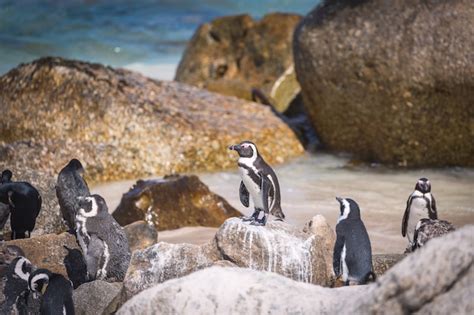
[56,292]
[352,259]
[24,203]
[420,204]
[103,241]
[259,181]
[426,229]
[69,186]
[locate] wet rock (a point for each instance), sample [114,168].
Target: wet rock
[49,219]
[173,202]
[238,291]
[164,261]
[424,282]
[97,297]
[391,81]
[140,235]
[47,251]
[277,247]
[233,54]
[124,125]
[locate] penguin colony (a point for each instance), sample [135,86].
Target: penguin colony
[105,249]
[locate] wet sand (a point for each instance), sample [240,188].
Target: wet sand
[310,184]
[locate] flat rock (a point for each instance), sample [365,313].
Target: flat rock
[390,81]
[164,261]
[173,202]
[277,247]
[124,125]
[140,235]
[233,54]
[96,297]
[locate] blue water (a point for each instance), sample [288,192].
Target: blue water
[117,33]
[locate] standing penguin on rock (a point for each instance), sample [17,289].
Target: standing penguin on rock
[352,259]
[421,204]
[24,204]
[56,292]
[259,181]
[103,241]
[69,186]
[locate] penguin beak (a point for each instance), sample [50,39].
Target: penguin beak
[339,199]
[235,147]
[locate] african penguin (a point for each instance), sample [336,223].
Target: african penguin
[103,241]
[56,292]
[421,204]
[14,284]
[24,203]
[69,186]
[427,229]
[259,181]
[352,259]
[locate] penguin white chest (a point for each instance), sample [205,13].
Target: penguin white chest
[418,211]
[252,187]
[345,270]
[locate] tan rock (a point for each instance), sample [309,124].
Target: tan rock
[140,235]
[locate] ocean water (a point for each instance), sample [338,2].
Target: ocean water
[148,36]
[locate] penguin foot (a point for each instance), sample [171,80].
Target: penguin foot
[257,223]
[247,219]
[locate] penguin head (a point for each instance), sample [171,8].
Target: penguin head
[22,268]
[6,176]
[92,206]
[39,280]
[423,185]
[349,209]
[75,165]
[245,149]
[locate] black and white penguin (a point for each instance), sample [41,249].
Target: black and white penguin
[426,229]
[55,290]
[421,204]
[259,181]
[14,286]
[103,241]
[352,259]
[25,204]
[69,186]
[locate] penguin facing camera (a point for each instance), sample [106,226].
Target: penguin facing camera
[426,229]
[420,204]
[259,181]
[69,186]
[103,241]
[352,258]
[55,291]
[24,203]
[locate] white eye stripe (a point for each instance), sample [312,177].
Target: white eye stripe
[346,210]
[19,269]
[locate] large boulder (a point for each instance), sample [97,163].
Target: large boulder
[140,235]
[233,54]
[277,247]
[426,282]
[96,298]
[164,261]
[173,202]
[390,81]
[124,125]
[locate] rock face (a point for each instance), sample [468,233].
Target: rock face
[140,235]
[47,251]
[125,125]
[277,247]
[425,281]
[390,81]
[97,297]
[233,54]
[165,261]
[49,219]
[173,202]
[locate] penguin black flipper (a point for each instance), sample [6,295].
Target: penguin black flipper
[432,212]
[265,187]
[336,259]
[244,195]
[406,215]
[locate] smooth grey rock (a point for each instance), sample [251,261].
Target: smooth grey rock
[96,297]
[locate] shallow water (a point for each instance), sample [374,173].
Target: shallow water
[310,184]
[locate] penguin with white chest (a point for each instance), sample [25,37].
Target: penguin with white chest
[421,204]
[55,290]
[352,259]
[69,186]
[259,181]
[103,241]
